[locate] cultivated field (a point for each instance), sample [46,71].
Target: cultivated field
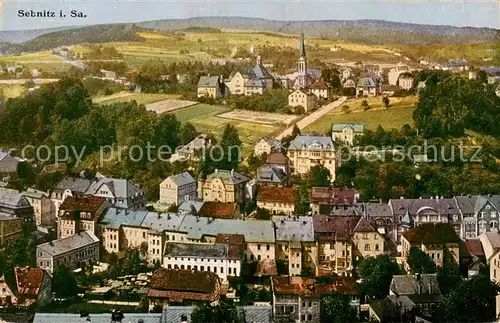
[41,60]
[169,105]
[399,113]
[140,98]
[205,119]
[12,91]
[259,117]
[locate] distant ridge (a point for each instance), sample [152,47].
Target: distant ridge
[361,31]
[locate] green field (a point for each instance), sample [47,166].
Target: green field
[140,98]
[399,113]
[12,91]
[204,118]
[41,60]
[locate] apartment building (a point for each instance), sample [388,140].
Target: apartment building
[42,206]
[121,193]
[278,200]
[307,151]
[177,189]
[80,213]
[74,252]
[223,186]
[295,243]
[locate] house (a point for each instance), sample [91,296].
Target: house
[298,299]
[108,74]
[367,240]
[123,229]
[220,210]
[42,206]
[194,150]
[302,98]
[278,200]
[280,160]
[320,196]
[177,189]
[250,80]
[272,176]
[223,186]
[474,257]
[74,252]
[295,244]
[218,258]
[178,286]
[367,87]
[422,289]
[307,151]
[428,210]
[393,308]
[30,286]
[68,186]
[259,234]
[346,73]
[11,228]
[14,204]
[480,214]
[267,145]
[405,82]
[321,90]
[434,239]
[249,313]
[346,132]
[80,213]
[114,316]
[211,87]
[121,193]
[395,72]
[54,168]
[8,164]
[349,84]
[490,242]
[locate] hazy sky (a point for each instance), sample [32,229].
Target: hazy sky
[476,13]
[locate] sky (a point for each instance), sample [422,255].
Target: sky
[474,13]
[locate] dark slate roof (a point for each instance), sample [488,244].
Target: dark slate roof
[196,250]
[364,226]
[311,142]
[208,81]
[96,318]
[415,284]
[443,206]
[182,179]
[466,203]
[74,184]
[366,82]
[271,174]
[342,226]
[250,314]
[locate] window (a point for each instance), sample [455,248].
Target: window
[268,247]
[258,247]
[259,257]
[367,247]
[208,268]
[202,268]
[221,270]
[229,270]
[377,248]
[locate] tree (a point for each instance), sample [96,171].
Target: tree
[336,308]
[64,283]
[262,214]
[318,176]
[449,276]
[365,105]
[188,133]
[420,262]
[223,313]
[376,274]
[386,101]
[472,300]
[173,208]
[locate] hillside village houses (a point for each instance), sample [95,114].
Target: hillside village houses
[223,186]
[346,132]
[307,151]
[194,150]
[211,86]
[394,73]
[252,80]
[278,200]
[368,87]
[177,189]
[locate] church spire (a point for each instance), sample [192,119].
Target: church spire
[302,45]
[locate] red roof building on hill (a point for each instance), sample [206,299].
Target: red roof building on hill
[432,238]
[320,196]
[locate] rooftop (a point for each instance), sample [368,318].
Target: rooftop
[309,287]
[271,174]
[342,226]
[122,189]
[197,250]
[331,195]
[74,184]
[208,81]
[312,143]
[431,233]
[277,157]
[12,198]
[443,206]
[474,247]
[83,204]
[254,231]
[96,318]
[29,280]
[219,210]
[181,179]
[294,228]
[73,242]
[287,195]
[356,127]
[415,284]
[114,218]
[229,176]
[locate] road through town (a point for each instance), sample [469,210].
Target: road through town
[313,116]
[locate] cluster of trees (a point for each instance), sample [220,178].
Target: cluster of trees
[102,52]
[449,104]
[271,101]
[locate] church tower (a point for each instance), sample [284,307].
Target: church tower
[302,64]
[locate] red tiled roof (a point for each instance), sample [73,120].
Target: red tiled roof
[364,226]
[218,210]
[286,285]
[331,195]
[277,158]
[474,247]
[235,242]
[83,204]
[184,284]
[342,226]
[431,233]
[287,195]
[29,280]
[320,85]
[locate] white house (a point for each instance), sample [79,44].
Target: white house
[302,98]
[177,189]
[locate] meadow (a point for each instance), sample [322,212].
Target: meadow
[140,98]
[41,60]
[400,112]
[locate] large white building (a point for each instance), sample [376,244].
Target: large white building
[307,151]
[177,189]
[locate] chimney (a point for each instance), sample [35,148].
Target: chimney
[259,60]
[77,222]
